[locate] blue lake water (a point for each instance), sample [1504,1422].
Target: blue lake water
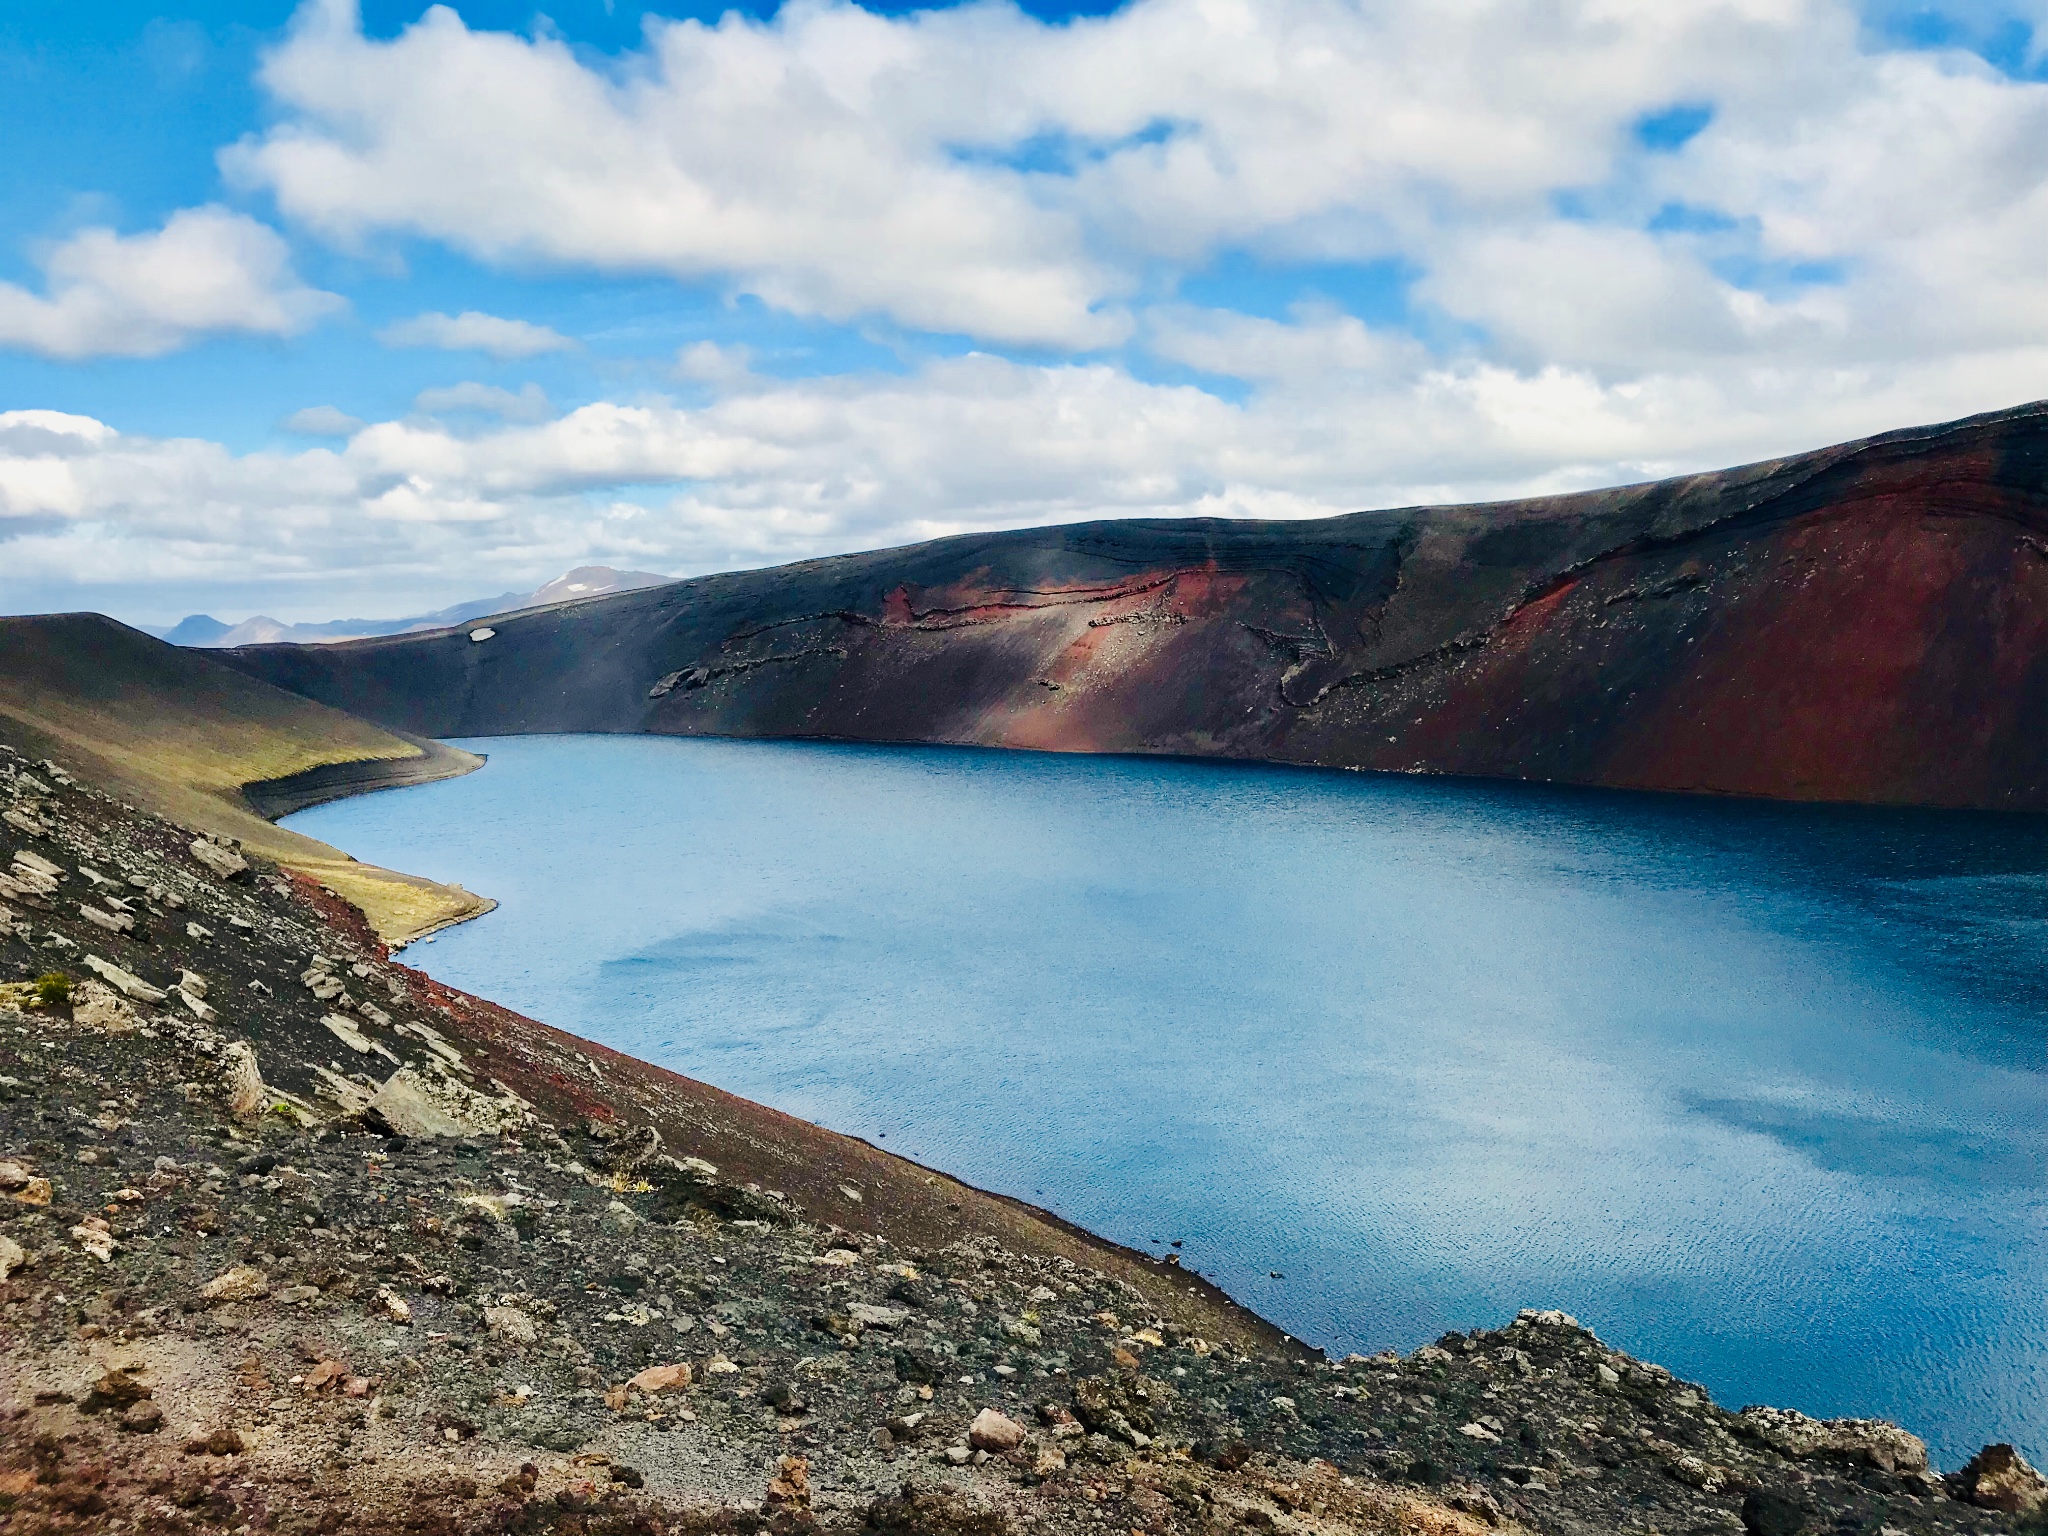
[1758,1092]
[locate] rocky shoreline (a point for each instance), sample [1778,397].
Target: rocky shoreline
[294,1239]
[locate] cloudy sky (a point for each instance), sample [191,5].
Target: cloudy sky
[352,310]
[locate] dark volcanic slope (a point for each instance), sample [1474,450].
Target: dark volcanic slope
[1864,623]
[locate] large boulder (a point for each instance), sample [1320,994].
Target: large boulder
[994,1433]
[127,983]
[1998,1477]
[224,862]
[1871,1442]
[413,1103]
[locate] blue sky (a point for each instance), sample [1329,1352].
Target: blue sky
[320,309]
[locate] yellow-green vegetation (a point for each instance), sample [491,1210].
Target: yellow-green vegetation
[178,733]
[50,990]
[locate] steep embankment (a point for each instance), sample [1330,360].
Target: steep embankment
[1864,623]
[182,735]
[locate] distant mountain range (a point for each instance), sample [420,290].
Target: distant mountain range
[206,632]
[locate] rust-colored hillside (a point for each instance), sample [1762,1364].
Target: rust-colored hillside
[1864,623]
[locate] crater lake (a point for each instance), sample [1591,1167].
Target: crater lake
[1756,1091]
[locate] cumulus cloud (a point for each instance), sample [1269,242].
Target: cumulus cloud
[206,270]
[765,151]
[975,170]
[474,331]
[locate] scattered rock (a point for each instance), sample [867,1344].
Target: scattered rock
[94,1236]
[241,1082]
[993,1432]
[124,982]
[915,1513]
[1120,1409]
[412,1103]
[116,1387]
[23,822]
[95,1005]
[112,922]
[143,1418]
[1872,1442]
[657,1379]
[876,1317]
[791,1489]
[346,1032]
[218,1442]
[325,1374]
[629,1148]
[242,1283]
[392,1306]
[511,1325]
[224,862]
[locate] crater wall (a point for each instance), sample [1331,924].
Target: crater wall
[1865,623]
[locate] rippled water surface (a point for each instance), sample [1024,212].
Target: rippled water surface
[1756,1091]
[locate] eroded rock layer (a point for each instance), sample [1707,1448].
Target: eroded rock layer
[1865,623]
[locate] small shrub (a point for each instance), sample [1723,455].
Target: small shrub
[53,990]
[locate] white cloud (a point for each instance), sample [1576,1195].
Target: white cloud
[770,152]
[1320,344]
[529,403]
[706,362]
[474,331]
[974,170]
[322,421]
[775,471]
[207,270]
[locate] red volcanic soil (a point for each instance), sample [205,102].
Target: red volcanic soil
[1863,623]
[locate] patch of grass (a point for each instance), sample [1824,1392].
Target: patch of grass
[53,990]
